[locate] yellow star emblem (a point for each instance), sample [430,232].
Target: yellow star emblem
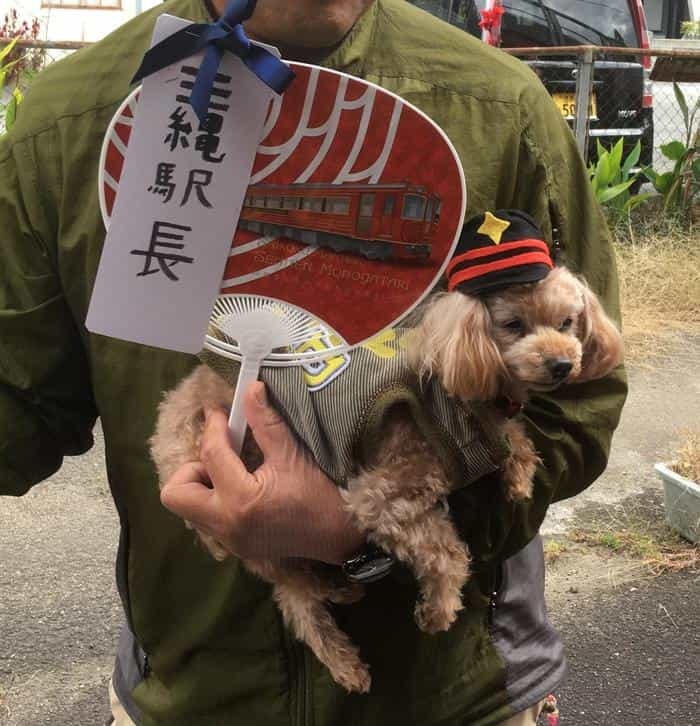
[493,227]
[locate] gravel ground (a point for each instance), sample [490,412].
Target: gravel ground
[633,649]
[59,610]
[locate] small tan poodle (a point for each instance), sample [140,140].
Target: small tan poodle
[510,325]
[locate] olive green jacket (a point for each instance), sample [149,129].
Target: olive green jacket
[217,648]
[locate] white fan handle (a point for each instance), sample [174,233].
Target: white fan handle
[250,369]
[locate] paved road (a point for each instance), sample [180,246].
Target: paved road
[664,399]
[59,612]
[633,654]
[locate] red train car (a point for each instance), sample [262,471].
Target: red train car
[379,221]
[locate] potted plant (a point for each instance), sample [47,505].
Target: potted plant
[681,488]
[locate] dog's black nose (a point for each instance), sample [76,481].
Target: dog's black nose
[559,368]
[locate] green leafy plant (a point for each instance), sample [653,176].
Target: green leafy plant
[612,179]
[18,64]
[8,109]
[681,185]
[690,29]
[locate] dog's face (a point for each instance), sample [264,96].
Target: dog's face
[531,337]
[537,328]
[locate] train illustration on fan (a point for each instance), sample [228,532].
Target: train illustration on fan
[378,221]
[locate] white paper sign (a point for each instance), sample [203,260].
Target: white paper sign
[178,204]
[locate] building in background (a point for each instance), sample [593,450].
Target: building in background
[88,20]
[664,17]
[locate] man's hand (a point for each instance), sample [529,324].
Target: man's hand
[286,508]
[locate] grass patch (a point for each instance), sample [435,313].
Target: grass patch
[659,270]
[554,549]
[636,529]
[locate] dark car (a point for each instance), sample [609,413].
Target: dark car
[622,103]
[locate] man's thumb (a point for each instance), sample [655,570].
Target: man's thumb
[269,429]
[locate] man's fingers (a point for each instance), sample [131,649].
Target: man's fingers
[188,494]
[189,472]
[269,429]
[223,465]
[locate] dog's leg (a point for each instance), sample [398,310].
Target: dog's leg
[397,502]
[432,548]
[300,596]
[519,467]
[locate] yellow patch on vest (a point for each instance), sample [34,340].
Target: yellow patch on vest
[383,345]
[320,373]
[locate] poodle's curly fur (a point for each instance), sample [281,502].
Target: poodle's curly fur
[529,337]
[525,338]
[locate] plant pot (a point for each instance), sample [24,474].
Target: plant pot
[682,503]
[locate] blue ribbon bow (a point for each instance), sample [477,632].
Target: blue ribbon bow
[225,34]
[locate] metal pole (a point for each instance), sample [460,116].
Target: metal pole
[49,44]
[584,86]
[608,50]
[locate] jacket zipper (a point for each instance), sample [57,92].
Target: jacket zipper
[297,677]
[492,607]
[301,683]
[493,597]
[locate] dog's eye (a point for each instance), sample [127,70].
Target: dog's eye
[566,324]
[515,325]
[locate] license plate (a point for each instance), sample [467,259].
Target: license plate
[566,103]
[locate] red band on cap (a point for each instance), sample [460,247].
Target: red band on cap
[496,249]
[529,258]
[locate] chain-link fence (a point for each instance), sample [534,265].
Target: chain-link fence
[605,93]
[612,93]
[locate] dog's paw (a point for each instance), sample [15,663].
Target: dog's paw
[431,619]
[215,549]
[518,475]
[518,489]
[354,679]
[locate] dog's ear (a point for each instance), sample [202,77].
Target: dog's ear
[601,340]
[453,342]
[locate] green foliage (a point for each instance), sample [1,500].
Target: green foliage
[690,29]
[8,109]
[18,64]
[680,187]
[612,178]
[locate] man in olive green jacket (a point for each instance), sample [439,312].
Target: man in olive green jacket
[205,643]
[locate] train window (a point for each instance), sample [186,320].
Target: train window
[273,203]
[312,204]
[388,205]
[290,203]
[337,205]
[413,207]
[366,205]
